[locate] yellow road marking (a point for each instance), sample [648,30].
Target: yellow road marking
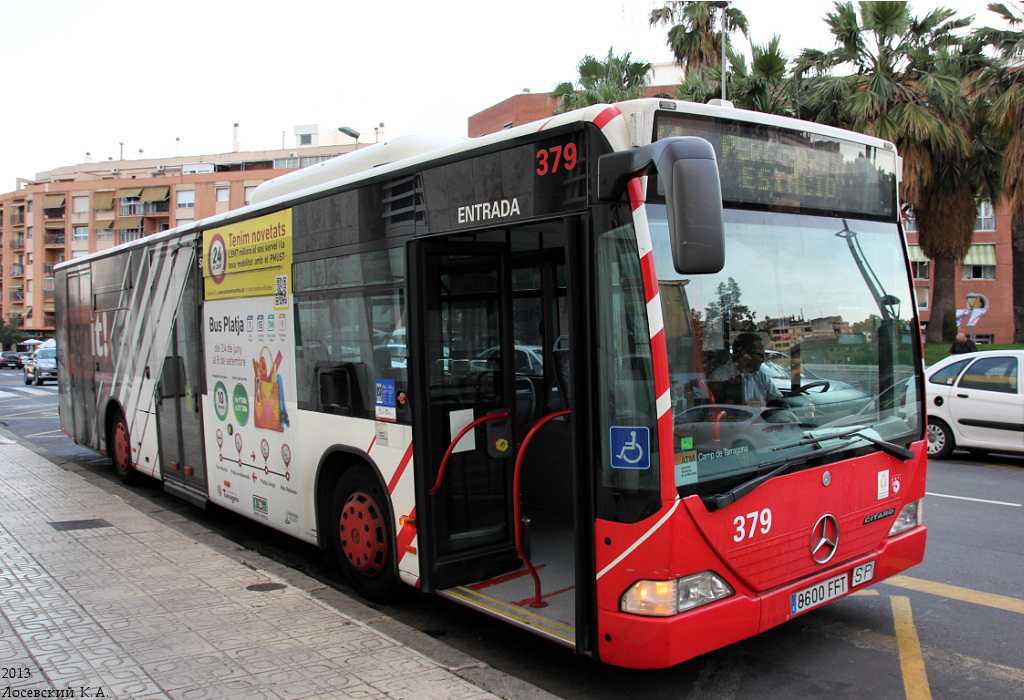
[915,678]
[991,600]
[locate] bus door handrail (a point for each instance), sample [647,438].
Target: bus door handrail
[516,505]
[457,438]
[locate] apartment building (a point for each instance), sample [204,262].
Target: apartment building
[72,211]
[984,278]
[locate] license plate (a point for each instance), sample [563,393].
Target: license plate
[819,594]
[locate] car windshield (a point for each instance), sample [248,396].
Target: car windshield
[46,354]
[808,330]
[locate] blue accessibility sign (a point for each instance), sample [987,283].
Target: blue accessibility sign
[631,446]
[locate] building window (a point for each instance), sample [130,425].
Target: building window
[104,234]
[986,220]
[921,269]
[979,272]
[305,139]
[922,298]
[248,194]
[980,262]
[186,199]
[223,194]
[80,233]
[80,205]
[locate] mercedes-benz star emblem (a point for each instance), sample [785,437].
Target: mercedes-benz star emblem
[824,538]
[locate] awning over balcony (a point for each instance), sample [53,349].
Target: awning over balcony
[155,194]
[51,201]
[49,225]
[128,192]
[981,254]
[126,222]
[103,200]
[916,254]
[103,223]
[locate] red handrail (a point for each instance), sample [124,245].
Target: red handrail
[537,602]
[455,441]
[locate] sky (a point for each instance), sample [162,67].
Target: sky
[86,75]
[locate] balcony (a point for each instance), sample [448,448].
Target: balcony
[18,243]
[17,270]
[53,239]
[132,208]
[54,214]
[18,218]
[17,296]
[157,208]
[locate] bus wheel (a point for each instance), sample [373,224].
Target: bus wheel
[362,537]
[120,447]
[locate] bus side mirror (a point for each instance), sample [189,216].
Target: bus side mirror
[688,174]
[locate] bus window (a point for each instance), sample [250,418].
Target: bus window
[345,342]
[629,451]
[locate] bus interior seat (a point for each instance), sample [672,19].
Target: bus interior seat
[339,388]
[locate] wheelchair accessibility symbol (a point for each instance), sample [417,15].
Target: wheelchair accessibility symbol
[631,446]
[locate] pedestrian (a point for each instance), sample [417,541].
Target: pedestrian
[962,344]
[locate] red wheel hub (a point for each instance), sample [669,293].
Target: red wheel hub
[363,533]
[122,448]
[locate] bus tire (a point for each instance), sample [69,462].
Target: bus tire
[119,445]
[940,439]
[361,533]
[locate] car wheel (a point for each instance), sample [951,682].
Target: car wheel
[362,536]
[940,439]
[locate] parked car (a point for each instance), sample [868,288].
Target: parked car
[975,402]
[11,359]
[42,367]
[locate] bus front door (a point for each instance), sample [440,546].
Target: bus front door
[463,364]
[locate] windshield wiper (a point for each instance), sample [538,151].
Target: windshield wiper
[721,500]
[780,466]
[889,448]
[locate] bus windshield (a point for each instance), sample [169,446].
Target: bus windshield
[807,332]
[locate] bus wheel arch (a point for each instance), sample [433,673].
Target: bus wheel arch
[357,520]
[119,444]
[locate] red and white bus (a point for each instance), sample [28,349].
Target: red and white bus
[501,370]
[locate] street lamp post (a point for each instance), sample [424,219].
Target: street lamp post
[972,303]
[349,131]
[722,5]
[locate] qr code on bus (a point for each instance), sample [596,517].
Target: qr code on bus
[281,292]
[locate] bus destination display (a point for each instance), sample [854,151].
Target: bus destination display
[766,167]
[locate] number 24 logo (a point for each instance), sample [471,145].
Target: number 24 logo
[758,517]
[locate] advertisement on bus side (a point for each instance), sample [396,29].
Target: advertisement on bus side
[251,446]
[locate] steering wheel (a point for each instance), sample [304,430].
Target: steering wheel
[824,383]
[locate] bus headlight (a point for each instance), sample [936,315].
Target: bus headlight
[909,517]
[664,598]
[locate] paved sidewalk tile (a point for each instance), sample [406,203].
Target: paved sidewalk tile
[98,599]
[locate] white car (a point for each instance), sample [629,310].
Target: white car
[975,402]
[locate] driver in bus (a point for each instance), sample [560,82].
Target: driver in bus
[741,381]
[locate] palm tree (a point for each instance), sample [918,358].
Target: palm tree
[1004,81]
[762,86]
[695,35]
[614,79]
[903,79]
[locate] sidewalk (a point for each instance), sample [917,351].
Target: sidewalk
[99,599]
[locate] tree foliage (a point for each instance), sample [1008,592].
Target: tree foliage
[11,335]
[694,34]
[613,79]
